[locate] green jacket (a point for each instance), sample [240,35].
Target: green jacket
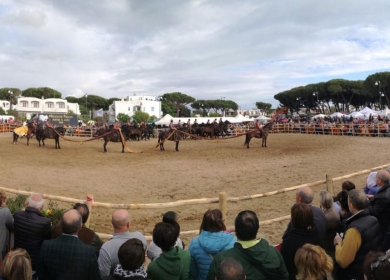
[171,265]
[260,262]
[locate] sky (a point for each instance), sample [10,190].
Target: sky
[246,51]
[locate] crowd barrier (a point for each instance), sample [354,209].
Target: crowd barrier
[223,200]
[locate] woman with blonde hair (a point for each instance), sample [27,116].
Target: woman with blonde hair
[313,263]
[332,220]
[17,266]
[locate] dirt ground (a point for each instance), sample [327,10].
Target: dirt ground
[200,169]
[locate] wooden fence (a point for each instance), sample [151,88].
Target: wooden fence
[223,199]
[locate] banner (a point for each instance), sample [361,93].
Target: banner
[61,119]
[99,113]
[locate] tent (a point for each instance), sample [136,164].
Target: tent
[367,111]
[385,113]
[263,119]
[319,116]
[164,120]
[356,115]
[337,114]
[241,118]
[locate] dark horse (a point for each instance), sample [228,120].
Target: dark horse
[164,135]
[31,129]
[113,136]
[257,134]
[44,131]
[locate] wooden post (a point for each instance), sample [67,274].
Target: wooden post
[223,203]
[89,202]
[329,184]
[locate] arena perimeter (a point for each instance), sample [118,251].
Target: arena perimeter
[200,169]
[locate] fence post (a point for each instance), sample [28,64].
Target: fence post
[89,202]
[329,184]
[223,203]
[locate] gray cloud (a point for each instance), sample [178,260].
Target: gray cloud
[244,51]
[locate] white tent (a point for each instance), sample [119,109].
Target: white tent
[167,119]
[385,113]
[356,115]
[241,118]
[367,111]
[319,116]
[263,119]
[164,120]
[337,114]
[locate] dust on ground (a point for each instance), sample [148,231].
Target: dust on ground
[201,169]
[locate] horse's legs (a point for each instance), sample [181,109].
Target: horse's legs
[58,143]
[104,145]
[177,146]
[123,148]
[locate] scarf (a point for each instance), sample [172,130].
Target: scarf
[130,273]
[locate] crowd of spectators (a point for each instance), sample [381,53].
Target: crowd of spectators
[347,237]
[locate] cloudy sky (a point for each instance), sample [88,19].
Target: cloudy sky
[245,51]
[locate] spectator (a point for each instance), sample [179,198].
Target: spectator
[85,234]
[6,225]
[345,214]
[108,256]
[230,269]
[332,220]
[371,187]
[313,263]
[346,186]
[154,251]
[380,203]
[17,266]
[361,236]
[258,258]
[66,257]
[303,231]
[212,239]
[131,257]
[31,228]
[305,195]
[376,266]
[173,263]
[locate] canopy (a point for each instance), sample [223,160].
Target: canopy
[385,112]
[167,119]
[319,116]
[337,114]
[356,115]
[367,110]
[241,118]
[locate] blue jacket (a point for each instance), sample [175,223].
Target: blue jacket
[204,247]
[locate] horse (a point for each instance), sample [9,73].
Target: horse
[138,132]
[259,134]
[163,135]
[31,129]
[114,136]
[44,131]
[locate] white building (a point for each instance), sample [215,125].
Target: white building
[5,105]
[131,104]
[31,105]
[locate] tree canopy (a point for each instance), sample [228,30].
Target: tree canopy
[176,100]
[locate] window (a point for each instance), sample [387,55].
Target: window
[152,109]
[129,109]
[50,105]
[61,105]
[24,104]
[35,104]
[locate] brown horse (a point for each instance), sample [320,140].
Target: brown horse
[44,131]
[31,129]
[168,135]
[113,136]
[257,134]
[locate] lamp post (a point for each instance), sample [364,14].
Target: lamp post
[86,107]
[11,98]
[378,83]
[316,94]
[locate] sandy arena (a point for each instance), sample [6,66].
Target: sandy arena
[200,169]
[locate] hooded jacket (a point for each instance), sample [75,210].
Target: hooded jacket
[172,265]
[260,262]
[204,247]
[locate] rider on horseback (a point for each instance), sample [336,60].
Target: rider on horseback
[179,124]
[173,129]
[259,125]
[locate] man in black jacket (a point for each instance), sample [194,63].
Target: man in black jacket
[380,203]
[31,228]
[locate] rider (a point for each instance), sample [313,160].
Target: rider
[215,122]
[189,123]
[259,125]
[208,122]
[173,129]
[179,124]
[195,122]
[220,121]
